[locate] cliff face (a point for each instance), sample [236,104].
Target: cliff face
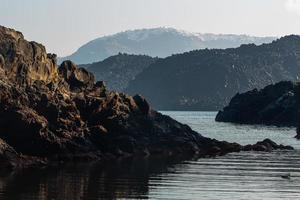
[59,113]
[207,79]
[23,61]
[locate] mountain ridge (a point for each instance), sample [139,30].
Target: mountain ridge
[213,76]
[156,42]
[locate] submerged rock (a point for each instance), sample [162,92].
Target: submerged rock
[49,113]
[266,145]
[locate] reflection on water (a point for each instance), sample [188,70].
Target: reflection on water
[245,175]
[126,178]
[234,176]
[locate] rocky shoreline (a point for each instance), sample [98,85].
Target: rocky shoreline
[50,113]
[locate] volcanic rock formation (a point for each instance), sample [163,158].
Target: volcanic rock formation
[59,113]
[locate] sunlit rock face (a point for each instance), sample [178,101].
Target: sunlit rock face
[25,61]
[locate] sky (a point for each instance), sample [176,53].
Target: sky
[64,25]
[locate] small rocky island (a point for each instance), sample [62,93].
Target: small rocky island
[50,113]
[277,105]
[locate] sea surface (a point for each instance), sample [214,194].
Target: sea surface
[245,175]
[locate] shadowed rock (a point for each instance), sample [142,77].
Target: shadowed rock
[277,104]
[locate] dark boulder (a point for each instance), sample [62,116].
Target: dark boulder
[266,145]
[142,104]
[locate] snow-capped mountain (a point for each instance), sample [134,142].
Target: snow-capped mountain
[160,42]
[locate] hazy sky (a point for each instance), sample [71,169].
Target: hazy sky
[64,25]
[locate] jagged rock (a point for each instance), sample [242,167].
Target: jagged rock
[45,116]
[25,61]
[99,89]
[78,79]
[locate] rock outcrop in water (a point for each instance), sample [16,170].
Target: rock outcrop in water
[277,104]
[266,145]
[59,113]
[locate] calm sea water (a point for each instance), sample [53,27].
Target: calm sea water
[245,175]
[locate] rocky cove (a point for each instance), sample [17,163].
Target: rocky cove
[50,113]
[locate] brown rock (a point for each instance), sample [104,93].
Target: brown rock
[78,79]
[25,61]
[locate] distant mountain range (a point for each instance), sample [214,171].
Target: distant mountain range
[156,42]
[207,79]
